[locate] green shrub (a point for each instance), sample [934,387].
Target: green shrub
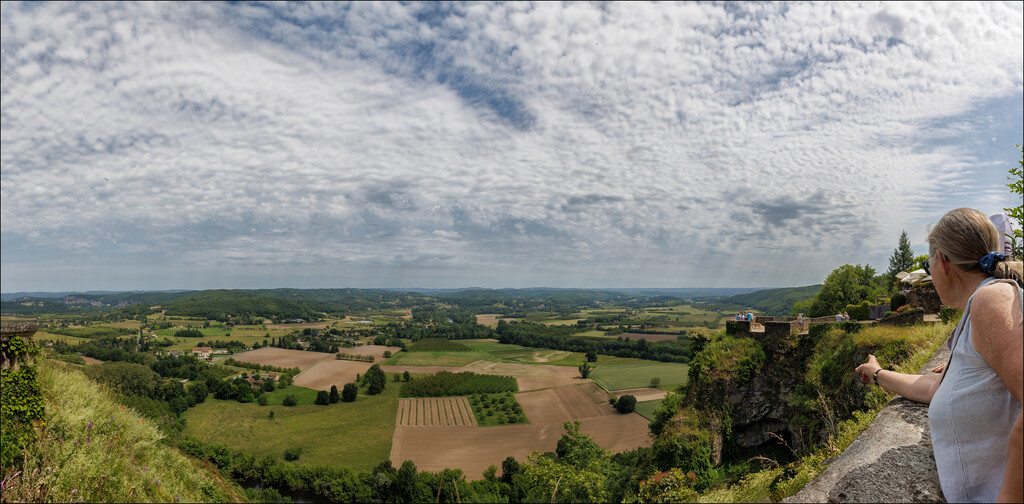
[323,398]
[292,453]
[290,400]
[897,301]
[349,392]
[626,404]
[860,311]
[951,314]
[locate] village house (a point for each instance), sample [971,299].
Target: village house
[203,351]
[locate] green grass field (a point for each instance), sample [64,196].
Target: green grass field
[302,394]
[646,409]
[499,352]
[618,373]
[436,358]
[45,336]
[356,435]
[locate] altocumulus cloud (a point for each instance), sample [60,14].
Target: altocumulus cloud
[200,145]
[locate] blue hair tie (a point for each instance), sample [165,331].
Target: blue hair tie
[989,262]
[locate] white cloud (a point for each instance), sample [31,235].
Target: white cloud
[623,144]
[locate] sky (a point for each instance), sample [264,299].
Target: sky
[149,146]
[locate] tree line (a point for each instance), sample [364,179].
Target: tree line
[560,338]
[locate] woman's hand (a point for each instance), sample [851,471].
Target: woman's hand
[868,369]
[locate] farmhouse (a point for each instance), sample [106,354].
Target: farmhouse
[203,352]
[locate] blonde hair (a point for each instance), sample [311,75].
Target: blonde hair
[966,235]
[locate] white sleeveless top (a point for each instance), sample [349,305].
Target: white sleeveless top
[971,416]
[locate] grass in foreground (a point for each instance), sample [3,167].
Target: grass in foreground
[356,435]
[91,449]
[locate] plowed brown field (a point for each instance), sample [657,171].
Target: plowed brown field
[557,405]
[435,412]
[643,394]
[595,392]
[376,351]
[331,371]
[473,449]
[281,357]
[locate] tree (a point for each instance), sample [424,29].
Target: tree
[349,392]
[1016,186]
[845,285]
[655,382]
[199,391]
[902,259]
[509,468]
[406,376]
[626,404]
[591,357]
[290,400]
[269,385]
[323,398]
[376,379]
[264,399]
[334,397]
[585,369]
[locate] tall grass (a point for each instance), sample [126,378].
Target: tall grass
[92,449]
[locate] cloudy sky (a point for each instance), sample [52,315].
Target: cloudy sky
[212,145]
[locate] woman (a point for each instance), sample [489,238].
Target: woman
[974,403]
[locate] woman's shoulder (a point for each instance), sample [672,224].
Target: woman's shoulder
[995,295]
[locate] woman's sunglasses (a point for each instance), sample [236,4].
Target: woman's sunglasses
[925,264]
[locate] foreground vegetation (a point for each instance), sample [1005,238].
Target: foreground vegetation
[92,449]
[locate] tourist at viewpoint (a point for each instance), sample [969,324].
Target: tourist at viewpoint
[974,403]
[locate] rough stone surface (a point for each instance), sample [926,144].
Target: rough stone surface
[891,461]
[9,330]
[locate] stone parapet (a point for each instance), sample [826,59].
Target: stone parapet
[891,461]
[9,331]
[915,316]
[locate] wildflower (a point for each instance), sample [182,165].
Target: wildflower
[90,425]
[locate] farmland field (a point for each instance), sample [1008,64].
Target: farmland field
[473,449]
[355,435]
[436,358]
[281,357]
[435,412]
[560,404]
[45,336]
[636,373]
[649,337]
[646,409]
[331,371]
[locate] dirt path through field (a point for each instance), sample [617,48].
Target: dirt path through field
[643,394]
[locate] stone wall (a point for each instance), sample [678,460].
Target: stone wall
[891,461]
[9,331]
[929,300]
[915,316]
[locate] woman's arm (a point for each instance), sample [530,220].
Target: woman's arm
[997,328]
[919,388]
